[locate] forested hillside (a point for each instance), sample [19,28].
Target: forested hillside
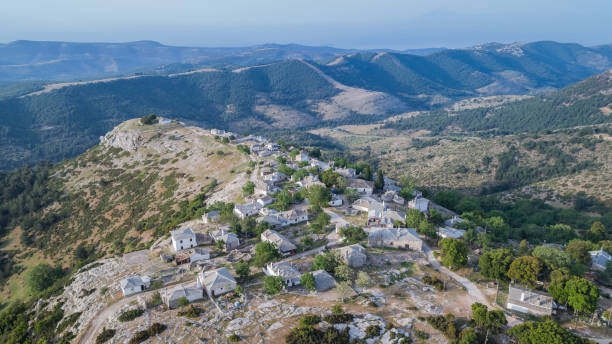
[587,102]
[61,122]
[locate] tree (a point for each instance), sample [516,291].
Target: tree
[42,276]
[469,336]
[495,263]
[308,281]
[344,272]
[344,290]
[553,257]
[363,280]
[379,183]
[454,252]
[320,222]
[545,332]
[353,234]
[264,253]
[582,295]
[525,269]
[273,285]
[242,269]
[318,195]
[351,195]
[557,289]
[523,247]
[248,188]
[427,229]
[413,218]
[597,231]
[149,119]
[491,321]
[325,261]
[579,250]
[498,228]
[238,290]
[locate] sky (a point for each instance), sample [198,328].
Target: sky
[399,24]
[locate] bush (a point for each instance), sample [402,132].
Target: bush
[436,282]
[273,285]
[150,119]
[154,301]
[342,318]
[234,338]
[105,335]
[192,312]
[372,331]
[309,320]
[444,324]
[130,315]
[141,336]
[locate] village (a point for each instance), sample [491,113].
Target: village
[298,245]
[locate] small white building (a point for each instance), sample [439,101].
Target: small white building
[600,259]
[289,273]
[230,239]
[198,254]
[335,201]
[302,157]
[362,186]
[295,216]
[420,204]
[217,282]
[245,210]
[133,285]
[282,244]
[265,200]
[529,301]
[450,232]
[273,146]
[275,177]
[172,296]
[218,132]
[183,239]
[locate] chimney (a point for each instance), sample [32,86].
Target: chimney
[523,297]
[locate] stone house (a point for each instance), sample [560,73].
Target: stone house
[133,285]
[404,238]
[172,296]
[282,244]
[353,255]
[217,282]
[287,271]
[183,239]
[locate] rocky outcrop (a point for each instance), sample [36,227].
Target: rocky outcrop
[126,139]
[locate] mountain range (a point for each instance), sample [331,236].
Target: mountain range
[305,87]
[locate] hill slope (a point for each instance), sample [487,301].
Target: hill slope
[121,194]
[64,120]
[587,102]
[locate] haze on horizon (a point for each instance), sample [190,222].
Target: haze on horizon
[341,23]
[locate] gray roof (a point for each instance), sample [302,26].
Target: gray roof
[353,255]
[280,241]
[533,300]
[600,257]
[394,234]
[135,281]
[284,269]
[183,233]
[218,276]
[191,292]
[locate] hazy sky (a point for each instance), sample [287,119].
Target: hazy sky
[398,24]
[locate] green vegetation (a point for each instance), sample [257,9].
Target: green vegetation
[495,264]
[273,285]
[353,234]
[150,119]
[444,324]
[265,252]
[454,252]
[153,330]
[130,314]
[308,281]
[42,277]
[489,321]
[546,332]
[105,335]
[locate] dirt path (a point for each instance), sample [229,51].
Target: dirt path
[53,87]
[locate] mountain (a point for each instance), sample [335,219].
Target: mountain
[32,60]
[62,120]
[584,103]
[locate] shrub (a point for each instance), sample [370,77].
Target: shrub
[234,338]
[130,315]
[444,324]
[372,331]
[154,301]
[192,312]
[183,302]
[338,318]
[309,320]
[436,282]
[105,335]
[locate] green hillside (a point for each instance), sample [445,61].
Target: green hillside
[587,102]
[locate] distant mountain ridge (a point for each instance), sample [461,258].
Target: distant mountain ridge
[66,61]
[289,94]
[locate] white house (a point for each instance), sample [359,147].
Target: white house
[273,146]
[335,201]
[302,157]
[452,221]
[217,282]
[265,200]
[275,177]
[183,239]
[282,244]
[362,186]
[199,254]
[273,220]
[245,210]
[133,285]
[450,232]
[529,301]
[365,203]
[191,292]
[394,237]
[420,204]
[295,216]
[600,259]
[211,217]
[217,132]
[230,239]
[309,181]
[286,270]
